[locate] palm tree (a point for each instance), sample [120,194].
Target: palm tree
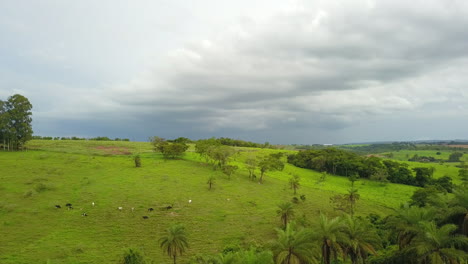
[352,196]
[406,222]
[285,211]
[438,245]
[294,182]
[174,242]
[361,239]
[459,209]
[330,234]
[294,246]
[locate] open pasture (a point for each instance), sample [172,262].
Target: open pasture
[236,211]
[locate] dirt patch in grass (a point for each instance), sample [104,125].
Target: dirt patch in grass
[114,150]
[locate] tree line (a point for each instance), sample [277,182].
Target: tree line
[345,163]
[15,122]
[79,138]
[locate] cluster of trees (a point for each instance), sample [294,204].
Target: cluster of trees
[384,147]
[15,122]
[219,155]
[239,143]
[170,150]
[454,157]
[346,163]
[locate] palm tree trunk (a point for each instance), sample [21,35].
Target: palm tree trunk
[325,253]
[175,258]
[464,228]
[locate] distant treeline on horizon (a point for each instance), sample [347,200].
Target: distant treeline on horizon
[78,138]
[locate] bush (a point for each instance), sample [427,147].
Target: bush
[133,256]
[29,193]
[295,200]
[303,197]
[137,160]
[41,187]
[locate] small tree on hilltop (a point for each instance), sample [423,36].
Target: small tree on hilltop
[221,155]
[169,150]
[174,150]
[229,170]
[271,162]
[251,163]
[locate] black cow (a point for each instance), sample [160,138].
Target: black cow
[145,217]
[58,206]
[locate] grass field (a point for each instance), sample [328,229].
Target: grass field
[441,169]
[236,211]
[404,155]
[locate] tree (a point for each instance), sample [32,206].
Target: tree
[285,212]
[174,242]
[463,174]
[439,245]
[15,121]
[294,246]
[361,239]
[229,170]
[331,234]
[380,175]
[271,162]
[203,145]
[211,181]
[3,123]
[220,155]
[423,176]
[352,196]
[459,209]
[169,150]
[423,196]
[455,157]
[137,160]
[406,223]
[294,182]
[174,150]
[251,163]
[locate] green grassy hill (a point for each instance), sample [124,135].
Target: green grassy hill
[235,211]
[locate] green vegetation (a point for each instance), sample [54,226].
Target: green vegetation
[15,122]
[345,163]
[235,221]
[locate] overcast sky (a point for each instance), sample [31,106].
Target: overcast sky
[260,70]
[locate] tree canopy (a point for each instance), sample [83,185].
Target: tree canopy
[15,122]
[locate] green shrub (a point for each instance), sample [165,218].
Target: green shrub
[41,187]
[137,160]
[29,193]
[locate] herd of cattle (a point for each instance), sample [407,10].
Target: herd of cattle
[120,208]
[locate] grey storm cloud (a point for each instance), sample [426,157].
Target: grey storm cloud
[314,71]
[328,67]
